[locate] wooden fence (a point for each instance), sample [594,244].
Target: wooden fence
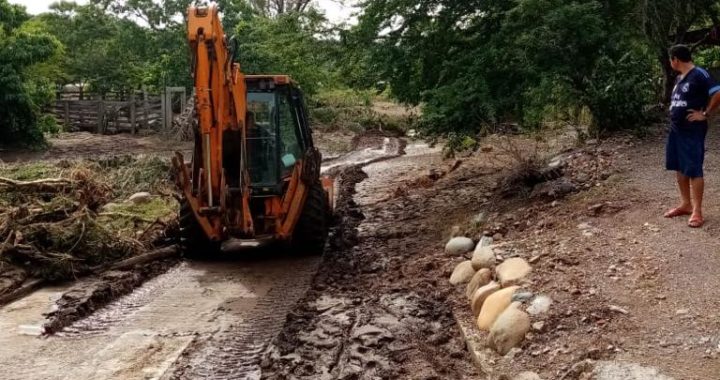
[116,114]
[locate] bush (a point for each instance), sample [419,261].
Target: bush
[48,124]
[618,92]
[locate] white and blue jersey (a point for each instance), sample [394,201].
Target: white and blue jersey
[691,92]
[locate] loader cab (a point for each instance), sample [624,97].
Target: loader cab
[278,131]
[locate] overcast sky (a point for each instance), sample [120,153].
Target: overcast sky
[335,12]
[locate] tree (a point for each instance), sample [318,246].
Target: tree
[669,22]
[288,44]
[476,64]
[20,50]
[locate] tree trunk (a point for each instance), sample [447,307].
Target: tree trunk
[668,76]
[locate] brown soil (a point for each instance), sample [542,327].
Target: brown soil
[627,284]
[84,144]
[11,278]
[598,250]
[664,274]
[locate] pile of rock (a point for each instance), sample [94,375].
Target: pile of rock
[494,292]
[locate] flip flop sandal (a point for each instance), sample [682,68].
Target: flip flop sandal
[677,211]
[696,222]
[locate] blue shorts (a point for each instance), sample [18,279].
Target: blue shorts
[685,150]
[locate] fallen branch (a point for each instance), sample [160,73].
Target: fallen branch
[25,289]
[46,184]
[158,254]
[126,215]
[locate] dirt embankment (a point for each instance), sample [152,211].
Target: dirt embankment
[628,285]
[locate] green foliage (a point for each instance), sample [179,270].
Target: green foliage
[458,143]
[618,91]
[476,64]
[288,44]
[20,96]
[48,124]
[103,51]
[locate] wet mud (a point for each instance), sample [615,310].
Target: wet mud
[92,293]
[378,307]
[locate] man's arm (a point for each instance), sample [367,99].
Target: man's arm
[714,103]
[700,115]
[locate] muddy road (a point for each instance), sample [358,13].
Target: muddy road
[143,334]
[198,320]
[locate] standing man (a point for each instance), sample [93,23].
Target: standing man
[695,96]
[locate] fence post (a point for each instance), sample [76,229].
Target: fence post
[163,109]
[132,112]
[67,114]
[183,100]
[168,109]
[100,116]
[146,121]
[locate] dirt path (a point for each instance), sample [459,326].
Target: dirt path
[628,285]
[199,320]
[666,274]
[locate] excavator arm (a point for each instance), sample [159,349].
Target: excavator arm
[221,109]
[250,128]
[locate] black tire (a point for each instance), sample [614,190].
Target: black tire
[311,230]
[193,241]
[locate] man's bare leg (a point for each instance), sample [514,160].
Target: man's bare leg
[697,186]
[686,206]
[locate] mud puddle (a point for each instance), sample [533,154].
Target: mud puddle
[389,148]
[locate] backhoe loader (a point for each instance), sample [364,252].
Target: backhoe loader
[254,177]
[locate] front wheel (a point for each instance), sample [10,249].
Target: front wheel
[311,230]
[193,241]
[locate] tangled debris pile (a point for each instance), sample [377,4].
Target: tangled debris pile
[57,222]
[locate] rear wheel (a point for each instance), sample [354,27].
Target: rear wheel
[193,241]
[312,227]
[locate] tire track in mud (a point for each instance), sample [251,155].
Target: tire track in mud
[234,353]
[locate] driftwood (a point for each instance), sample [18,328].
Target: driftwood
[158,254]
[25,289]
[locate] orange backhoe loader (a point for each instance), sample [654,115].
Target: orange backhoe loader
[254,177]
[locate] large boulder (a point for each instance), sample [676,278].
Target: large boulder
[462,273]
[483,257]
[459,245]
[512,271]
[493,306]
[481,294]
[509,329]
[480,278]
